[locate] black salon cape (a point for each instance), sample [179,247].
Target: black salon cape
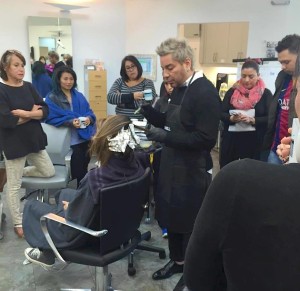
[82,204]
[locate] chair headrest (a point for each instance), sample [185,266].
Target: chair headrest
[59,141]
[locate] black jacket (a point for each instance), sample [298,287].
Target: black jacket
[269,136]
[247,228]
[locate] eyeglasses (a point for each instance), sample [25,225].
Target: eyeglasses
[130,68]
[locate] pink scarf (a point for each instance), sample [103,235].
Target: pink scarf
[245,99]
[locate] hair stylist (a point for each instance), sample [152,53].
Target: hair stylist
[188,131]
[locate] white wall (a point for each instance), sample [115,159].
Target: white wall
[160,19]
[110,29]
[98,32]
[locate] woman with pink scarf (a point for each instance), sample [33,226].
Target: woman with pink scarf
[245,115]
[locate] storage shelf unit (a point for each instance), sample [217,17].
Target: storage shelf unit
[96,92]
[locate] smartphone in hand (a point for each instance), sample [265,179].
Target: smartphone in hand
[141,128]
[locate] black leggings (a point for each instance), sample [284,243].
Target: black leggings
[79,161]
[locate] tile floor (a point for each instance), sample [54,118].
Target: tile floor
[14,276]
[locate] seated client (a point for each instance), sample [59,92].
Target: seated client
[113,147]
[247,233]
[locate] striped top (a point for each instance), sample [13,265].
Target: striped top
[122,96]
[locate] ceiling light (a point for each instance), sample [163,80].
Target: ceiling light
[66,7]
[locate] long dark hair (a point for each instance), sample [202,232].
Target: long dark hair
[136,62]
[38,68]
[57,75]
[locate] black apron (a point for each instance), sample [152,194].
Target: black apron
[183,180]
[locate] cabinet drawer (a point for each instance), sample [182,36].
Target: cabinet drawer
[97,75]
[97,85]
[98,105]
[97,95]
[100,114]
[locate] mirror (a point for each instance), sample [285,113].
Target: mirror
[49,34]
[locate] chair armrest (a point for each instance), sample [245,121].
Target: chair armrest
[57,218]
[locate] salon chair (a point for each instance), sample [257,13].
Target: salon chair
[58,148]
[121,210]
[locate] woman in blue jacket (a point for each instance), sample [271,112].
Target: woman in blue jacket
[66,107]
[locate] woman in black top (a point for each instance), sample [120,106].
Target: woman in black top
[21,135]
[243,134]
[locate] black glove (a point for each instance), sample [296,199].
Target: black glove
[156,134]
[145,109]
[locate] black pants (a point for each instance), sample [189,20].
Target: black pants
[177,245]
[238,145]
[79,161]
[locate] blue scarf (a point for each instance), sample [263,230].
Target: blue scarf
[59,116]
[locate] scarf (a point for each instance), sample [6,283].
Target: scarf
[245,99]
[58,116]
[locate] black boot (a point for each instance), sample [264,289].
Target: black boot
[167,271]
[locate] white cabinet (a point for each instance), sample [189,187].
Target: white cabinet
[215,43]
[191,30]
[222,42]
[237,40]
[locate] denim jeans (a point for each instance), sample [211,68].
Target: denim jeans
[274,159]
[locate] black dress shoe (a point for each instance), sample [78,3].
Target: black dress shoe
[167,271]
[180,286]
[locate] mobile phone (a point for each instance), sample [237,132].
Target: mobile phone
[231,112]
[141,128]
[294,149]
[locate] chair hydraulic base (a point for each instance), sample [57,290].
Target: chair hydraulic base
[145,236]
[42,195]
[103,281]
